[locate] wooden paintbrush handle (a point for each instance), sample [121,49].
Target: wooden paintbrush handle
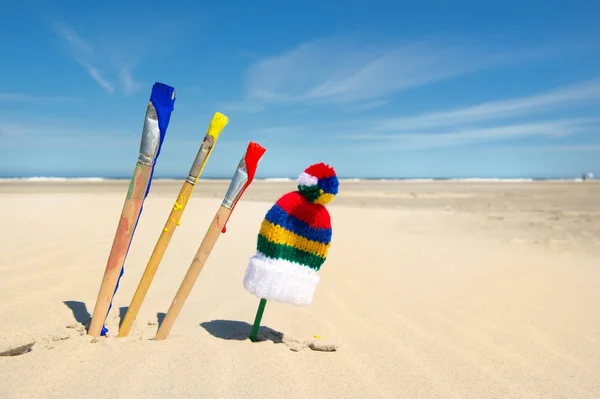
[208,243]
[123,236]
[155,258]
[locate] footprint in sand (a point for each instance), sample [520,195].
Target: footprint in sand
[75,330]
[45,343]
[19,350]
[292,343]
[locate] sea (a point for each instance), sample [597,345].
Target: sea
[288,179]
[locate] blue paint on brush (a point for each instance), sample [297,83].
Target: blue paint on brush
[163,100]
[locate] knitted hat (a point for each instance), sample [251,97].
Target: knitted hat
[293,240]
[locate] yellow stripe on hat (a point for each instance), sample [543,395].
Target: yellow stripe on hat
[278,235]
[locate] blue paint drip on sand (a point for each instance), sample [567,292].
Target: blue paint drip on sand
[164,102]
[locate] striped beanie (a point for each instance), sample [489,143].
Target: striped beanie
[293,240]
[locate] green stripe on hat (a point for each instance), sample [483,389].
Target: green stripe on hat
[289,253]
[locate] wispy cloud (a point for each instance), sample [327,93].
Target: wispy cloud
[97,76]
[590,147]
[369,105]
[23,97]
[338,71]
[568,148]
[105,67]
[13,131]
[130,86]
[424,140]
[248,106]
[490,122]
[51,133]
[569,96]
[83,53]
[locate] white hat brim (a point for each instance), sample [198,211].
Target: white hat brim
[280,280]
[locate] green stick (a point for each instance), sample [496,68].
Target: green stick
[259,314]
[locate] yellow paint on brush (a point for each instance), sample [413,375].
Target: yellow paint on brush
[217,124]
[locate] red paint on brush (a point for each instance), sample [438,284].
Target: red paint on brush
[127,222]
[254,153]
[140,193]
[120,245]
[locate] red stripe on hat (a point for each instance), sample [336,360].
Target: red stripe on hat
[315,215]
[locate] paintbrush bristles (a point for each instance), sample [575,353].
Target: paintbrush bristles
[217,124]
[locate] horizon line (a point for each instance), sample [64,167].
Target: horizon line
[589,175]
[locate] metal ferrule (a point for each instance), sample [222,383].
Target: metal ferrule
[239,180]
[203,152]
[150,137]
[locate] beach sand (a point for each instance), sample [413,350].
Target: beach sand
[430,290]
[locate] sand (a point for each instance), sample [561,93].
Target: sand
[430,290]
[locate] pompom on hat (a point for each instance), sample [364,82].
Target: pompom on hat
[294,239]
[318,183]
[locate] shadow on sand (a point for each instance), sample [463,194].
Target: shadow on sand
[80,311]
[160,316]
[122,312]
[83,316]
[233,330]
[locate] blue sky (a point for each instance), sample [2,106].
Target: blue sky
[375,88]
